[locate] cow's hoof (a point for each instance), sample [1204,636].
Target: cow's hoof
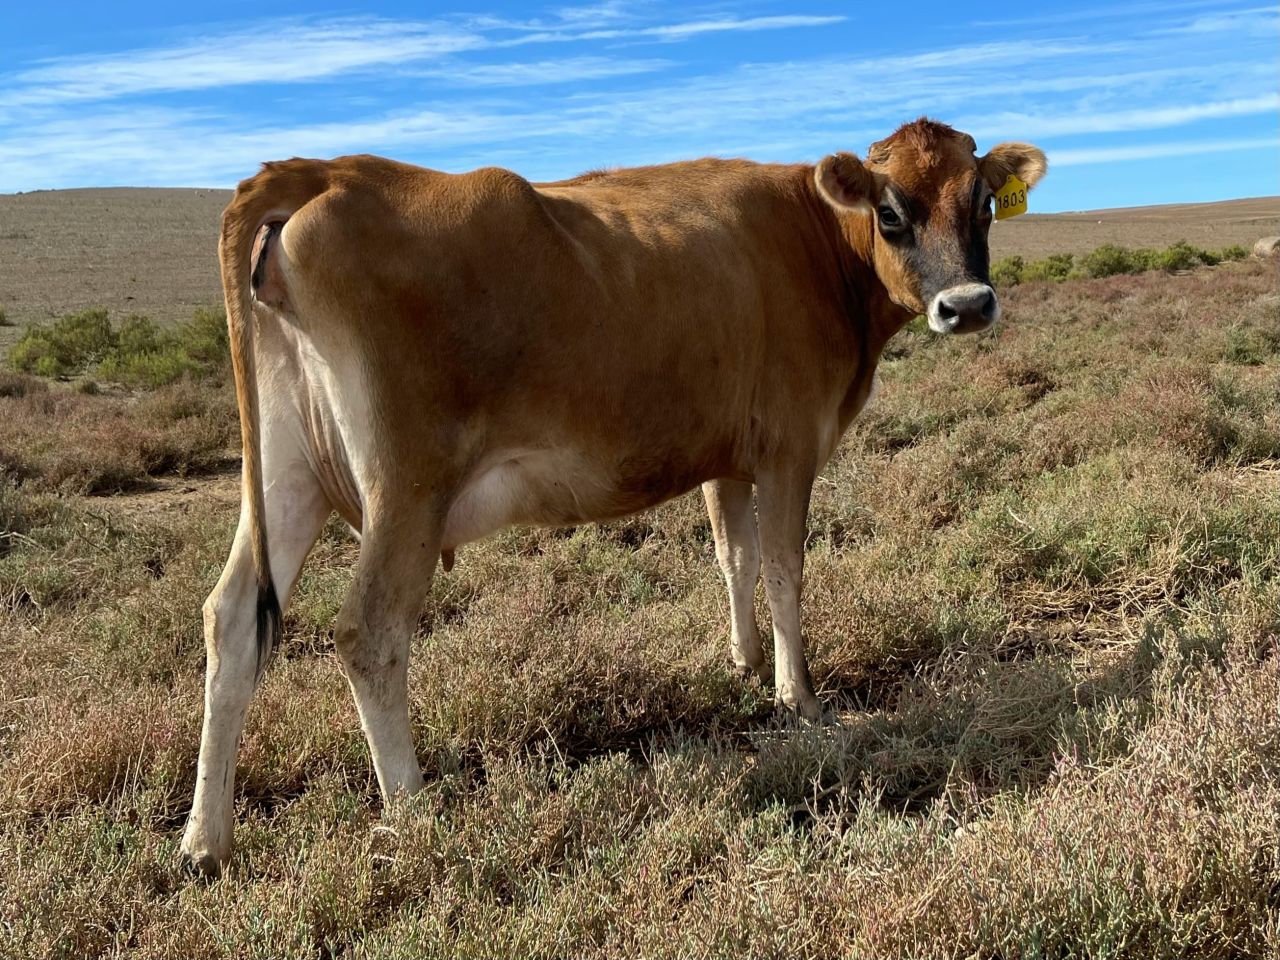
[807,708]
[202,865]
[748,674]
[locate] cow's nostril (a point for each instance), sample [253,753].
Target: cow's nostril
[945,310]
[988,306]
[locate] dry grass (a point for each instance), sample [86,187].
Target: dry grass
[1041,589]
[96,441]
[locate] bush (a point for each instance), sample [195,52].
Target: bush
[29,355]
[1183,256]
[139,353]
[1146,259]
[1109,260]
[83,338]
[137,334]
[73,342]
[1007,272]
[1054,268]
[204,338]
[150,369]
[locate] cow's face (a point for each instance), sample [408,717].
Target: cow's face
[930,200]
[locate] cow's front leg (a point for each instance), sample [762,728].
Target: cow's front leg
[783,499]
[733,522]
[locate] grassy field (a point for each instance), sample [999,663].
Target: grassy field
[1042,595]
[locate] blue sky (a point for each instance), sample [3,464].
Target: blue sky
[1145,102]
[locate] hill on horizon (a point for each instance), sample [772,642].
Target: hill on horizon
[152,250]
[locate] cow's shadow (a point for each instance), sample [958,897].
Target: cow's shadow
[953,729]
[960,731]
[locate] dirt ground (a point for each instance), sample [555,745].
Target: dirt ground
[130,250]
[153,251]
[1211,225]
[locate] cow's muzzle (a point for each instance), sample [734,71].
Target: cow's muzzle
[966,308]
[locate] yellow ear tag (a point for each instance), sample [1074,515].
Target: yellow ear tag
[1011,199]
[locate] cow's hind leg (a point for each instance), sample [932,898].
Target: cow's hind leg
[397,559]
[295,512]
[733,522]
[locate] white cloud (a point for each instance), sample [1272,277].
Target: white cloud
[1164,8]
[1257,21]
[1086,155]
[541,72]
[270,53]
[1092,121]
[293,52]
[681,31]
[596,13]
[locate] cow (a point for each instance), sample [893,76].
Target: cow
[435,357]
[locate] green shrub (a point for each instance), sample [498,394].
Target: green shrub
[204,338]
[150,369]
[138,353]
[138,334]
[1182,256]
[1007,272]
[35,350]
[1054,268]
[67,347]
[1146,259]
[1109,260]
[83,338]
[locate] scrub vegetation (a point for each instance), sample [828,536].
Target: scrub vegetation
[136,352]
[1042,600]
[1110,260]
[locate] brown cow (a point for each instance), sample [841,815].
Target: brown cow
[435,357]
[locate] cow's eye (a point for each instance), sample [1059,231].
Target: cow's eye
[889,218]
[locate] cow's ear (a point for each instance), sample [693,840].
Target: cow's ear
[1024,161]
[845,183]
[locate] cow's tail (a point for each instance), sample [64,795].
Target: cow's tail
[269,198]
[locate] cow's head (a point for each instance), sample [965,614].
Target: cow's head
[929,197]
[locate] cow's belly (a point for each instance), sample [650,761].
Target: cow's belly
[557,487]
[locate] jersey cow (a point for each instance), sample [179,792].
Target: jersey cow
[437,356]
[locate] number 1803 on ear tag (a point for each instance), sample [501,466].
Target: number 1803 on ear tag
[1011,199]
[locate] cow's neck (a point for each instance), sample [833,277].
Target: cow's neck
[851,240]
